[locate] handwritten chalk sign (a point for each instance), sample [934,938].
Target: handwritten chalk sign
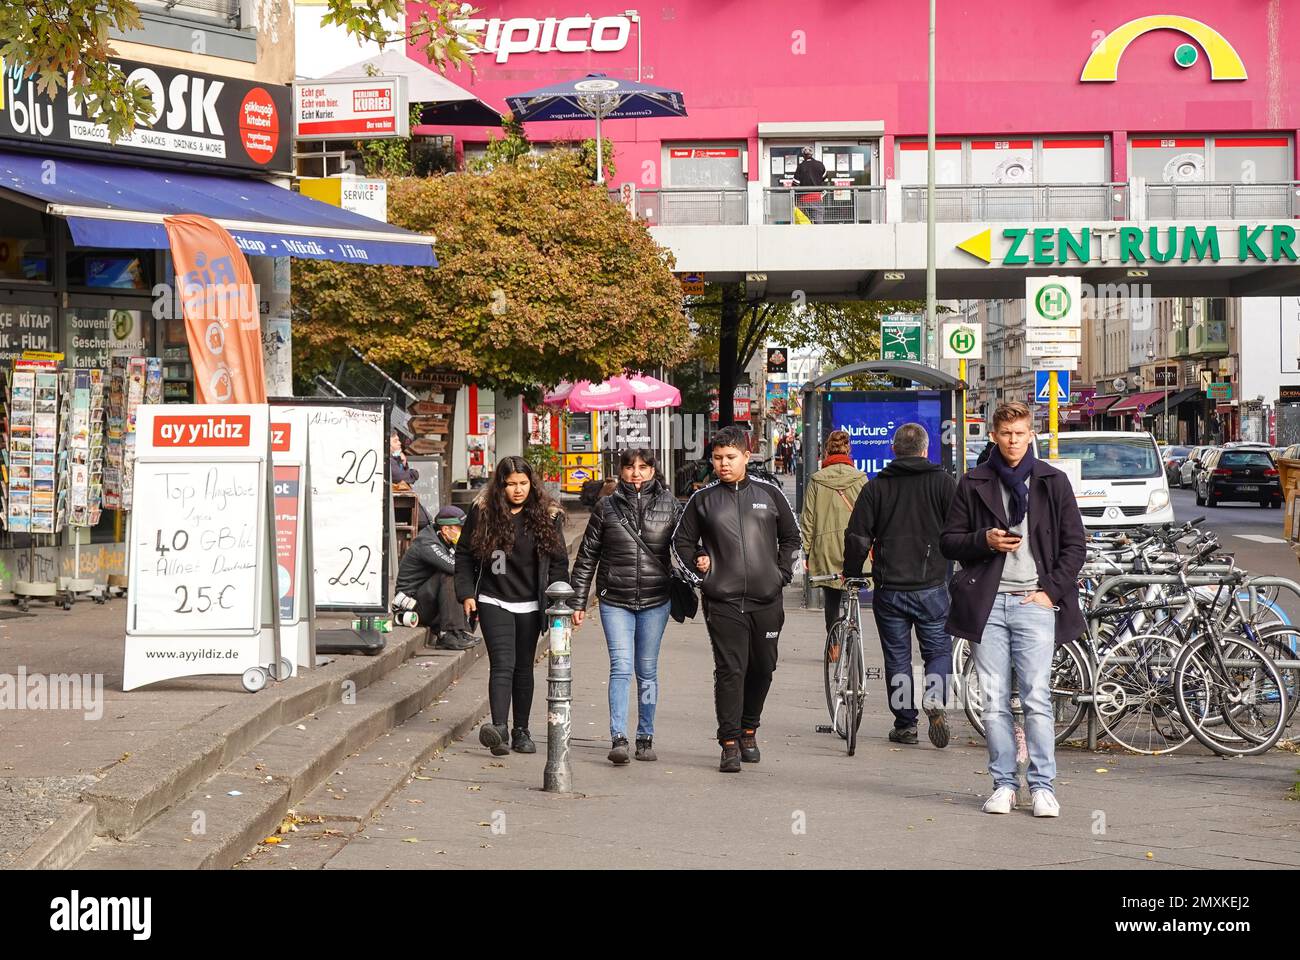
[196,556]
[199,550]
[348,455]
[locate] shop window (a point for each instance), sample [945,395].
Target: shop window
[714,166]
[1183,158]
[92,335]
[111,270]
[24,245]
[25,327]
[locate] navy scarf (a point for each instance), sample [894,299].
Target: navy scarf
[1016,480]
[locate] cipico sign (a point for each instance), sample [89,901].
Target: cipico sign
[504,37]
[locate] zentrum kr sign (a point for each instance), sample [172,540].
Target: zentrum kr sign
[515,35]
[1211,243]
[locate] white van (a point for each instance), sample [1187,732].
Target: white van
[1124,483]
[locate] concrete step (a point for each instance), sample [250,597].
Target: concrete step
[135,792]
[209,828]
[342,806]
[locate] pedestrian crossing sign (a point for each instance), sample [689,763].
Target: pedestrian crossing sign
[1042,382]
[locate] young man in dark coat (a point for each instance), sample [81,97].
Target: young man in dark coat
[1016,529]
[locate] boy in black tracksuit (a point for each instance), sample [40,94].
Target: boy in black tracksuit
[740,535]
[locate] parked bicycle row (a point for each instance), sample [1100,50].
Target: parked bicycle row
[1154,637]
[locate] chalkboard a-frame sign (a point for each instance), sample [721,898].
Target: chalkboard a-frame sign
[350,501]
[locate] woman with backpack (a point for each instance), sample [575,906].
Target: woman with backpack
[827,506]
[625,551]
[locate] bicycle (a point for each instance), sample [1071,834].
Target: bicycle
[843,663]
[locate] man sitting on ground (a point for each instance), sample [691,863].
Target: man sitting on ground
[425,580]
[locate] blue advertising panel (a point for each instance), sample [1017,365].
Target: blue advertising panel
[871,417]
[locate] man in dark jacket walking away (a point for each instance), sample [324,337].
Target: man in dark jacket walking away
[426,581]
[901,514]
[810,172]
[1015,527]
[741,536]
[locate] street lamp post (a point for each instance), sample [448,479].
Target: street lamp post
[930,284]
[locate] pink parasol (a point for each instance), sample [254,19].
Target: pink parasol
[651,394]
[614,394]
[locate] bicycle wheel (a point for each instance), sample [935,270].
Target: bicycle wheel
[853,688]
[1133,694]
[1243,687]
[830,663]
[972,696]
[1069,680]
[1282,644]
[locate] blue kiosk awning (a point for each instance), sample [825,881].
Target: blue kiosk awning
[112,205]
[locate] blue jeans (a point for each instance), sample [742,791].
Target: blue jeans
[896,613]
[633,633]
[1019,636]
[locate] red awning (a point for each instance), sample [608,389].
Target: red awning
[1131,403]
[1099,404]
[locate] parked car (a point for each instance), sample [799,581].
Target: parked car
[1292,452]
[1189,473]
[1239,474]
[1123,481]
[1173,458]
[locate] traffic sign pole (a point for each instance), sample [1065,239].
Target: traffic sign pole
[961,446]
[1053,411]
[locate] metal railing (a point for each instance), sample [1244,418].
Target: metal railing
[690,206]
[964,203]
[824,204]
[1222,201]
[225,10]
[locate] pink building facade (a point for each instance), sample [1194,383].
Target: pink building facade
[1046,93]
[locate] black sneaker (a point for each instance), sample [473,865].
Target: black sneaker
[521,742]
[749,747]
[730,762]
[451,641]
[645,748]
[493,736]
[938,727]
[905,735]
[469,638]
[618,751]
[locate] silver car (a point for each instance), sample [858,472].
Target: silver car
[1190,472]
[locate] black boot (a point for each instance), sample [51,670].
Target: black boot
[645,748]
[493,736]
[749,747]
[521,742]
[618,751]
[730,762]
[451,641]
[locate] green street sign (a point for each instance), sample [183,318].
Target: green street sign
[900,340]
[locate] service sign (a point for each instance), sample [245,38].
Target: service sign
[198,117]
[365,108]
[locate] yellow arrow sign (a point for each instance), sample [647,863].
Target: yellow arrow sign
[980,245]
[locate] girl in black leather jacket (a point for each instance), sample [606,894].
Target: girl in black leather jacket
[632,583]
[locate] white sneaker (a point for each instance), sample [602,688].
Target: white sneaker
[1045,804]
[1002,801]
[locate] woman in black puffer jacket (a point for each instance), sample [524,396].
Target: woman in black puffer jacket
[632,588]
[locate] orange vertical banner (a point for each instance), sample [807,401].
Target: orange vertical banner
[220,304]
